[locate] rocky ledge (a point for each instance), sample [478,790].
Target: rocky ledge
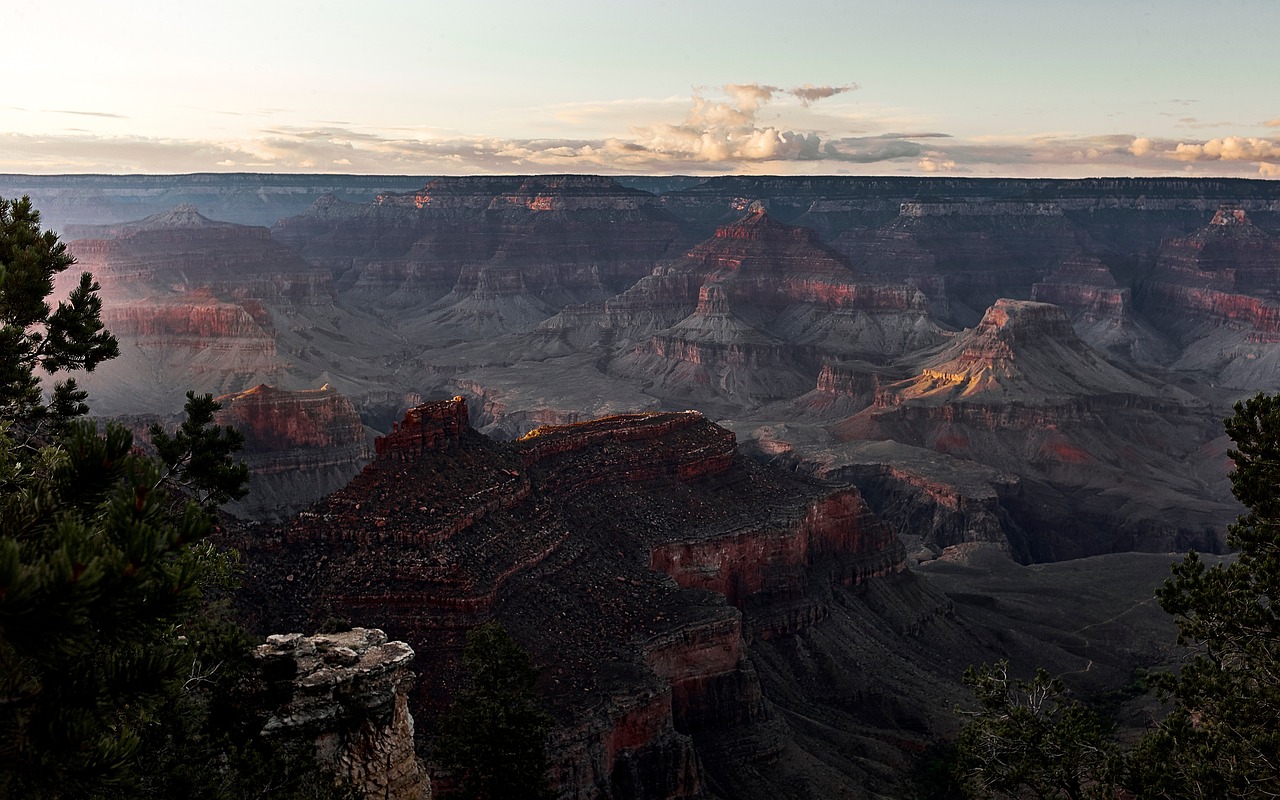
[347,694]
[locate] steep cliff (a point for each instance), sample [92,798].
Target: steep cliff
[640,558]
[1102,312]
[300,446]
[480,256]
[964,254]
[745,317]
[346,698]
[1216,293]
[218,307]
[1099,448]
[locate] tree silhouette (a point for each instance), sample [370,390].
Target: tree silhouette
[494,738]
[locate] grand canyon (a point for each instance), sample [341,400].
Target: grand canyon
[753,467]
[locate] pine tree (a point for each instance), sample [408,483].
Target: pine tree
[494,738]
[97,569]
[1029,739]
[33,335]
[1222,738]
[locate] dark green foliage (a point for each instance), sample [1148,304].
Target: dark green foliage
[1223,737]
[33,335]
[1029,740]
[122,673]
[203,744]
[198,455]
[494,739]
[95,573]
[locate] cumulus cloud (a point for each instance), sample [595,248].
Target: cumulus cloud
[1141,146]
[724,126]
[1272,123]
[1230,148]
[740,127]
[933,163]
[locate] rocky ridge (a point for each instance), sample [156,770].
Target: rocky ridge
[639,557]
[299,445]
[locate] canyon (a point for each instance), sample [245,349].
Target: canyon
[731,457]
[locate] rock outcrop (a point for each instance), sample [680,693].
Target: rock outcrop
[638,557]
[1021,393]
[481,256]
[743,318]
[347,699]
[1102,312]
[1217,294]
[964,254]
[300,446]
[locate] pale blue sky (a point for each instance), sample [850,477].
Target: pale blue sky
[983,87]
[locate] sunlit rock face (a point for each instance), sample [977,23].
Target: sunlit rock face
[299,445]
[639,557]
[1022,393]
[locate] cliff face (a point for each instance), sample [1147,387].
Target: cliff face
[182,250]
[299,445]
[1022,393]
[637,557]
[1214,292]
[487,255]
[971,252]
[347,697]
[745,317]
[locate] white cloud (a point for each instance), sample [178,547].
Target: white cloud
[1141,146]
[746,127]
[1231,148]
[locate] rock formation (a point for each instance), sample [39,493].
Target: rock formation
[743,318]
[1091,441]
[299,445]
[1102,312]
[965,254]
[1217,294]
[487,255]
[347,697]
[640,558]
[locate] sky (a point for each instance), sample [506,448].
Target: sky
[1035,88]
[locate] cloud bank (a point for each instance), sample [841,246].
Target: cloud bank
[737,127]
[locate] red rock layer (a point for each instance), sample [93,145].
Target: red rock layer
[275,420]
[299,445]
[430,426]
[568,537]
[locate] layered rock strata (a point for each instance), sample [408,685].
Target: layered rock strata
[636,556]
[745,317]
[1022,393]
[1102,312]
[299,445]
[1217,294]
[347,700]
